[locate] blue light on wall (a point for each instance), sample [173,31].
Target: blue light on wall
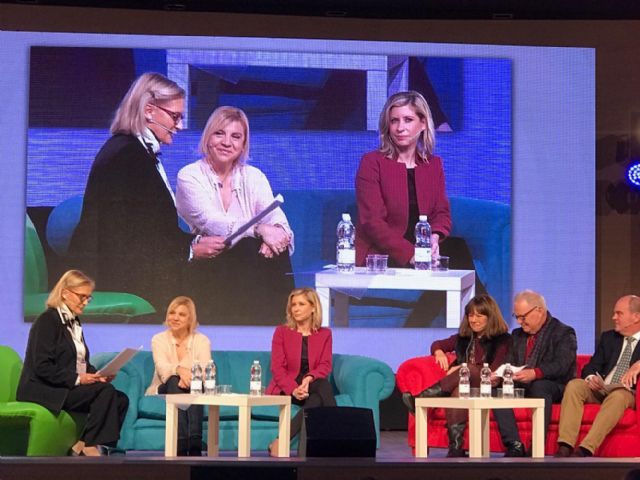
[633,174]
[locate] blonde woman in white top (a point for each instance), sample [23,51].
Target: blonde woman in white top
[216,196]
[174,352]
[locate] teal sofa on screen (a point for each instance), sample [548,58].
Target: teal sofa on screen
[357,381]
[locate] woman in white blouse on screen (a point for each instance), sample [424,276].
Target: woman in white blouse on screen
[218,194]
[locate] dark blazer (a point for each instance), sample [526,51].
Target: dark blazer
[128,238]
[558,355]
[286,350]
[383,205]
[606,355]
[49,370]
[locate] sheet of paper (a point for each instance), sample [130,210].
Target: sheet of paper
[500,370]
[279,200]
[114,366]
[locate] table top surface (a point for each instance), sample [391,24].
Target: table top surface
[480,403]
[229,399]
[397,278]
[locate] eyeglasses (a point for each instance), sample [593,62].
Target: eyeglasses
[522,317]
[177,117]
[83,298]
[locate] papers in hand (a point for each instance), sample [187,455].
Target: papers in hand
[609,387]
[114,366]
[279,200]
[500,370]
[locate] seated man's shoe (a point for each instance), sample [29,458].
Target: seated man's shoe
[581,452]
[515,449]
[456,453]
[564,451]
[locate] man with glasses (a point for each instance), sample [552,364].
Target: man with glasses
[609,379]
[546,348]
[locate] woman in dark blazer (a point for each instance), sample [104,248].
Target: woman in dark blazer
[57,372]
[301,352]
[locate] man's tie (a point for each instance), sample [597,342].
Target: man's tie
[625,360]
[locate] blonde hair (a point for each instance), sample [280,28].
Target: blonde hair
[68,281]
[312,297]
[191,308]
[426,140]
[484,305]
[147,88]
[220,118]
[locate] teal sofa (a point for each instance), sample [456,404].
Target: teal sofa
[28,428]
[357,381]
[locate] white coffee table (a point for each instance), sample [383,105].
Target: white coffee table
[244,403]
[333,287]
[479,409]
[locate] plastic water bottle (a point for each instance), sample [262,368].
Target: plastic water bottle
[210,378]
[485,381]
[255,384]
[464,385]
[196,378]
[422,252]
[507,382]
[346,246]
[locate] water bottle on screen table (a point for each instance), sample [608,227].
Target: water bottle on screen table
[422,252]
[210,378]
[196,378]
[464,385]
[346,246]
[255,383]
[485,381]
[507,382]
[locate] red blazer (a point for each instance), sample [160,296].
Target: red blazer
[286,350]
[383,205]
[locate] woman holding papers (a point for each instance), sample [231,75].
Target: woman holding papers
[482,338]
[174,352]
[57,372]
[216,196]
[301,355]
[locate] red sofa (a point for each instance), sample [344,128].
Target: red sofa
[416,374]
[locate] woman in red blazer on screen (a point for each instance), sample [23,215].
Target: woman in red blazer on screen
[400,181]
[301,352]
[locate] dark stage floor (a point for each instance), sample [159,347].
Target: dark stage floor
[393,461]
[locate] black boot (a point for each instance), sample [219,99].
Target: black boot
[434,390]
[456,439]
[183,447]
[195,447]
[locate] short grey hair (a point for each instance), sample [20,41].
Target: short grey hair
[532,298]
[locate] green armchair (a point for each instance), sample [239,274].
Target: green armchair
[28,428]
[104,304]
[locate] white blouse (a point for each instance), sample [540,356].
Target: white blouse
[199,200]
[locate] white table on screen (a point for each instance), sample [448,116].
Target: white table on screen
[479,409]
[333,287]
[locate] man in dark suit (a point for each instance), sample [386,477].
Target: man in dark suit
[128,237]
[613,363]
[546,348]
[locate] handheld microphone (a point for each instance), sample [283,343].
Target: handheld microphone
[169,130]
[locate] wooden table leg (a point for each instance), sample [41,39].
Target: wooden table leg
[324,294]
[537,437]
[484,420]
[171,431]
[284,430]
[475,433]
[244,431]
[422,451]
[213,434]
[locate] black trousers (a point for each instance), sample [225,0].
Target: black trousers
[320,395]
[189,420]
[220,284]
[550,391]
[106,407]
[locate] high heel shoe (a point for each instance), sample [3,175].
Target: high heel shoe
[76,449]
[273,448]
[92,451]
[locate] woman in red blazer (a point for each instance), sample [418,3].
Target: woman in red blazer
[400,181]
[301,352]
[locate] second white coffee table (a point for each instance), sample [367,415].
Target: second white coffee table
[479,409]
[244,403]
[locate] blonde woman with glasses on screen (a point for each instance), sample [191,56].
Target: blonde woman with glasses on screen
[58,374]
